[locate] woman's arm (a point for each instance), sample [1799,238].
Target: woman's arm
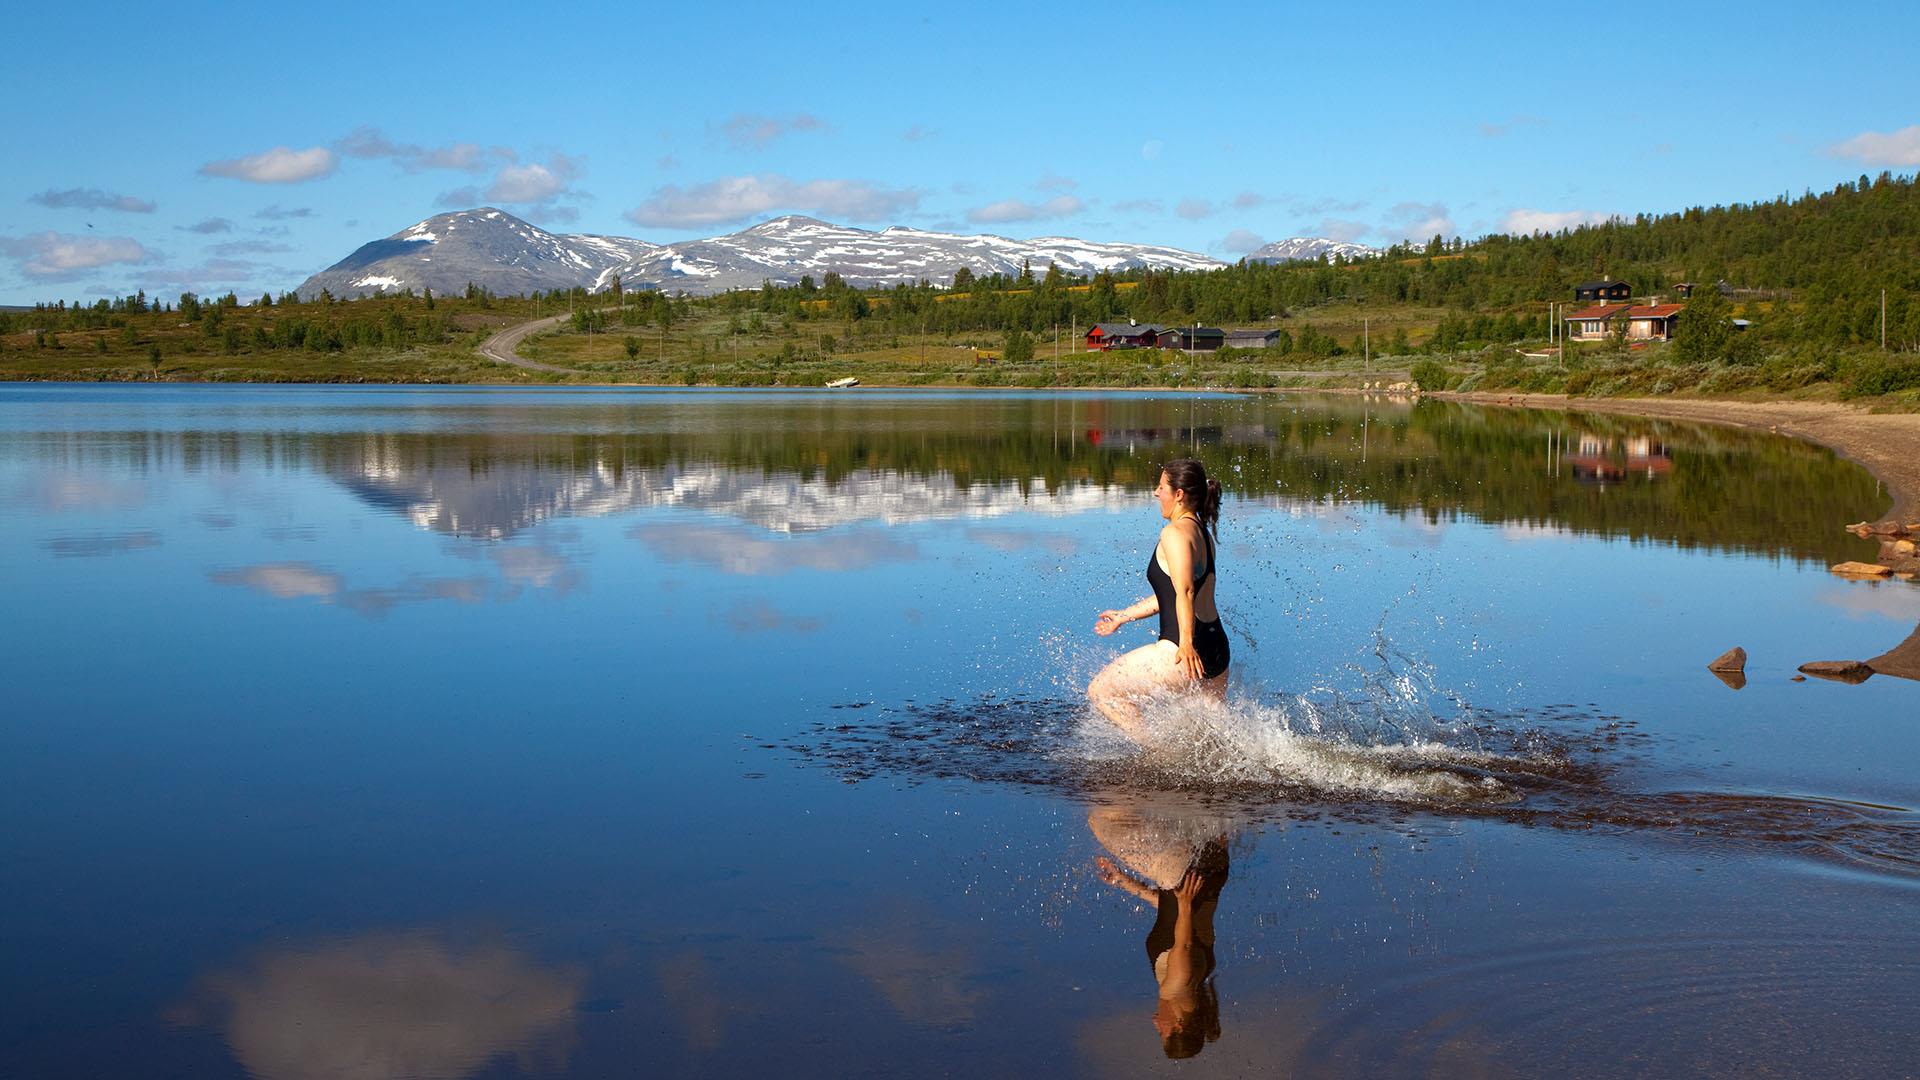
[1178,552]
[1109,621]
[1120,879]
[1180,966]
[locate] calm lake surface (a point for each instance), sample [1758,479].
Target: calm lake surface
[423,732]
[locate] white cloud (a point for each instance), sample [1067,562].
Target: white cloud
[532,183]
[734,198]
[1008,210]
[1051,182]
[750,131]
[280,165]
[1418,221]
[368,142]
[1895,148]
[1194,209]
[55,256]
[210,225]
[216,271]
[276,212]
[1241,241]
[1342,229]
[250,247]
[1307,208]
[1498,128]
[1525,222]
[91,199]
[1141,206]
[1249,200]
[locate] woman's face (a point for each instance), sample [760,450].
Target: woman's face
[1171,501]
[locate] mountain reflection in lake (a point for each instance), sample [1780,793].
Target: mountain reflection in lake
[387,732]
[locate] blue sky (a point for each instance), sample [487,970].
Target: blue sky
[247,146]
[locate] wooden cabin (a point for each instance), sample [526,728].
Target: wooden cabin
[1192,338]
[1251,339]
[1602,291]
[1126,335]
[1652,323]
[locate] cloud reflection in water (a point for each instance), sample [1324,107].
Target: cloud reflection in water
[99,544]
[388,1005]
[735,551]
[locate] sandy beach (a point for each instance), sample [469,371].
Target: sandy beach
[1887,444]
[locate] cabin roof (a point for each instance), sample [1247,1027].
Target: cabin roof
[1601,311]
[1655,311]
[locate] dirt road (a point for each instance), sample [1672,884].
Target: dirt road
[501,346]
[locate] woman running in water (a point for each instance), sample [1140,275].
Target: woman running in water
[1192,649]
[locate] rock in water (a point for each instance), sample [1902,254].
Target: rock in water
[1846,671]
[1861,569]
[1735,680]
[1734,659]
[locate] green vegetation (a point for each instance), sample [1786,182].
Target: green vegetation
[1804,277]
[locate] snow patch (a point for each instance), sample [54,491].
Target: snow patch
[377,282]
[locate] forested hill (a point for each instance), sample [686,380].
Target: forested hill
[1807,269]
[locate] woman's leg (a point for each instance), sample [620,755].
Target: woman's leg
[1116,690]
[1131,836]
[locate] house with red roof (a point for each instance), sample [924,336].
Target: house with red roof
[1594,323]
[1652,322]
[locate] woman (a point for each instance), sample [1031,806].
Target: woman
[1174,860]
[1193,645]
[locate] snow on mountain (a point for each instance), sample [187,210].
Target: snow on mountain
[1309,249]
[499,252]
[488,247]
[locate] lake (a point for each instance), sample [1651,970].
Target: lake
[468,732]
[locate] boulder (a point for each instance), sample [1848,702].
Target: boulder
[1846,671]
[1861,569]
[1860,529]
[1734,659]
[1903,549]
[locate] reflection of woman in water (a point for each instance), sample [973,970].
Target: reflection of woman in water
[1181,879]
[1193,645]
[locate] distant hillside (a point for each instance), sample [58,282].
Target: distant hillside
[1309,249]
[507,256]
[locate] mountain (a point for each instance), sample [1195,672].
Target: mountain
[1309,249]
[487,247]
[495,250]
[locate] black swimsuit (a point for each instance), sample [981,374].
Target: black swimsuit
[1210,638]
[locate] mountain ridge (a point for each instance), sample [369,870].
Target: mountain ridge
[494,250]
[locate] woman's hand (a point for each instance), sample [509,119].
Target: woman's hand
[1108,622]
[1189,886]
[1188,663]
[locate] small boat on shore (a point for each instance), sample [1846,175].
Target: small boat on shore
[842,384]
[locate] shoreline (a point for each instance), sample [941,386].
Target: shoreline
[1887,445]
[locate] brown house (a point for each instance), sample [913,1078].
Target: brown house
[1653,322]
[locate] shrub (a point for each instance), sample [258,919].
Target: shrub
[1872,378]
[1432,376]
